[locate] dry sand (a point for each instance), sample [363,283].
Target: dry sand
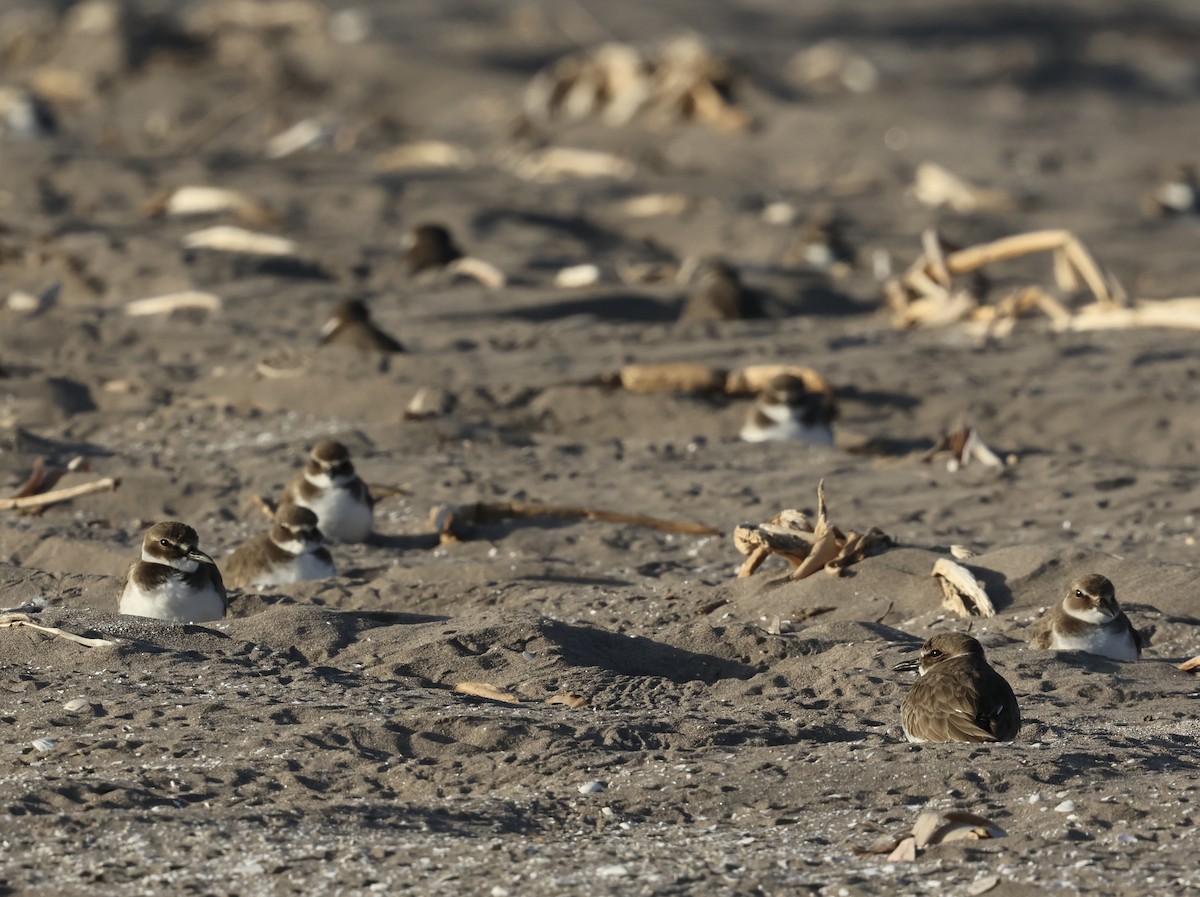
[312,742]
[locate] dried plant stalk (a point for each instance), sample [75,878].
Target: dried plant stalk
[486,690]
[59,495]
[9,621]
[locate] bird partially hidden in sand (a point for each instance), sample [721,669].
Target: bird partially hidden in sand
[290,552]
[428,247]
[718,295]
[173,579]
[351,326]
[959,697]
[787,411]
[1089,619]
[329,487]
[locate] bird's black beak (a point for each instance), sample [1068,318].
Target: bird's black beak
[912,665]
[197,555]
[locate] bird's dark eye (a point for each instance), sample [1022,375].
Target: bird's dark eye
[1078,593]
[164,543]
[935,653]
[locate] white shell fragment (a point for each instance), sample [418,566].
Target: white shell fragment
[424,154]
[577,276]
[74,706]
[959,587]
[303,135]
[227,238]
[160,305]
[556,163]
[44,745]
[592,787]
[477,269]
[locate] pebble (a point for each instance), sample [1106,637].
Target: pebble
[592,787]
[1067,806]
[76,705]
[612,871]
[1126,838]
[983,885]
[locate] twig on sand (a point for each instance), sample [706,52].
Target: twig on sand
[59,495]
[10,621]
[449,520]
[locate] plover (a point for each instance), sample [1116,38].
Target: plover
[1089,619]
[290,552]
[428,247]
[718,295]
[351,325]
[786,411]
[173,580]
[329,487]
[958,697]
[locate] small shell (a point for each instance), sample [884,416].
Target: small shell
[593,787]
[577,276]
[226,238]
[158,305]
[76,705]
[44,744]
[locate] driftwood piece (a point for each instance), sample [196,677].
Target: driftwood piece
[806,546]
[1188,665]
[10,621]
[487,691]
[925,295]
[172,302]
[451,521]
[958,587]
[59,495]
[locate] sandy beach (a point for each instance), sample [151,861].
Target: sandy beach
[736,735]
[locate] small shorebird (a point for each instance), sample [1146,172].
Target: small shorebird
[958,697]
[428,247]
[1089,619]
[329,487]
[718,295]
[350,325]
[290,552]
[786,411]
[174,579]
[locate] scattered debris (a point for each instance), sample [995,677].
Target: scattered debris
[429,402]
[931,829]
[43,477]
[577,277]
[227,238]
[959,586]
[477,269]
[424,154]
[807,547]
[189,201]
[283,363]
[45,499]
[831,66]
[77,704]
[28,304]
[653,205]
[164,305]
[571,699]
[10,621]
[487,691]
[451,522]
[1189,665]
[556,163]
[682,80]
[936,186]
[311,133]
[925,295]
[964,445]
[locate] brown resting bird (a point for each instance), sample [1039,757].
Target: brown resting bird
[958,697]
